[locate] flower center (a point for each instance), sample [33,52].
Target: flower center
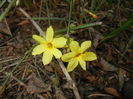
[49,45]
[78,55]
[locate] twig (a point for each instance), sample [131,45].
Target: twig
[33,22]
[8,59]
[9,76]
[7,9]
[69,79]
[96,94]
[19,81]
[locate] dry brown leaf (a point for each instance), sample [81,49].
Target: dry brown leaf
[24,22]
[4,28]
[88,76]
[122,75]
[10,49]
[59,94]
[36,85]
[96,35]
[49,68]
[1,89]
[112,91]
[107,66]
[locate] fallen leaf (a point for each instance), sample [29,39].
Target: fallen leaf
[59,94]
[107,66]
[122,75]
[10,49]
[24,22]
[96,35]
[112,91]
[1,89]
[88,76]
[36,85]
[4,28]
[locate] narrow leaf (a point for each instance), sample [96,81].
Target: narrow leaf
[115,32]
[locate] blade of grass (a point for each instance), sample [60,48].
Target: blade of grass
[51,18]
[47,8]
[69,1]
[93,5]
[125,26]
[78,27]
[2,3]
[70,13]
[99,5]
[7,9]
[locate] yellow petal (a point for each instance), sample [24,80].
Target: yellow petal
[85,45]
[49,34]
[67,57]
[38,49]
[72,65]
[74,46]
[57,53]
[83,64]
[89,56]
[39,39]
[59,42]
[47,57]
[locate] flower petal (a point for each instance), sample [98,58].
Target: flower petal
[39,39]
[57,53]
[67,57]
[49,34]
[72,65]
[89,56]
[83,64]
[74,46]
[59,42]
[38,49]
[47,57]
[85,45]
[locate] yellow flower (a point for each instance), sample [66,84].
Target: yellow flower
[78,55]
[48,46]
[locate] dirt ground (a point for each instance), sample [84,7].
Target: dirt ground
[23,76]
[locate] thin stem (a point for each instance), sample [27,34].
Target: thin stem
[70,13]
[7,10]
[2,3]
[51,18]
[48,13]
[79,27]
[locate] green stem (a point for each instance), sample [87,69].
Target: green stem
[7,10]
[70,13]
[51,18]
[1,4]
[79,27]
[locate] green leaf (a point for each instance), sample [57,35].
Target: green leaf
[115,32]
[69,1]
